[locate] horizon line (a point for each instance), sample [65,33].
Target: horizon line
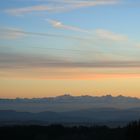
[62,95]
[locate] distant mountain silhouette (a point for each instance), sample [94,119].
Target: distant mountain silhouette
[70,109]
[69,103]
[99,115]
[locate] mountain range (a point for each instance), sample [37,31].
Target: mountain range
[106,116]
[69,109]
[69,103]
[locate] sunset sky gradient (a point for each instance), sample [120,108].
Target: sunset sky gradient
[53,47]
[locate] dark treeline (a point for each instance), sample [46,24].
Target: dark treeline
[59,132]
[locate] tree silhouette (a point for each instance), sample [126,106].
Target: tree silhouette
[59,132]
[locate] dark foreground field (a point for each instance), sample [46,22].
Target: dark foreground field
[59,132]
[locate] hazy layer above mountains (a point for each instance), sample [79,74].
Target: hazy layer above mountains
[69,103]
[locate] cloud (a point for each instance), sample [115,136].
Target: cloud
[20,11]
[107,35]
[59,6]
[11,33]
[15,33]
[25,61]
[60,25]
[90,3]
[98,34]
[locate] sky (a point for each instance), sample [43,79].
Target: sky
[80,47]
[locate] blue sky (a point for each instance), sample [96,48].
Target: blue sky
[79,31]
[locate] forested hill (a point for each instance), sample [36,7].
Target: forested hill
[59,132]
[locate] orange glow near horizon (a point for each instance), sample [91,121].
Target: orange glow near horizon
[53,82]
[71,73]
[27,88]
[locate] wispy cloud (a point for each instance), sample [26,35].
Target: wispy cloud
[38,8]
[98,34]
[90,3]
[11,33]
[108,35]
[16,33]
[60,25]
[21,65]
[60,6]
[25,61]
